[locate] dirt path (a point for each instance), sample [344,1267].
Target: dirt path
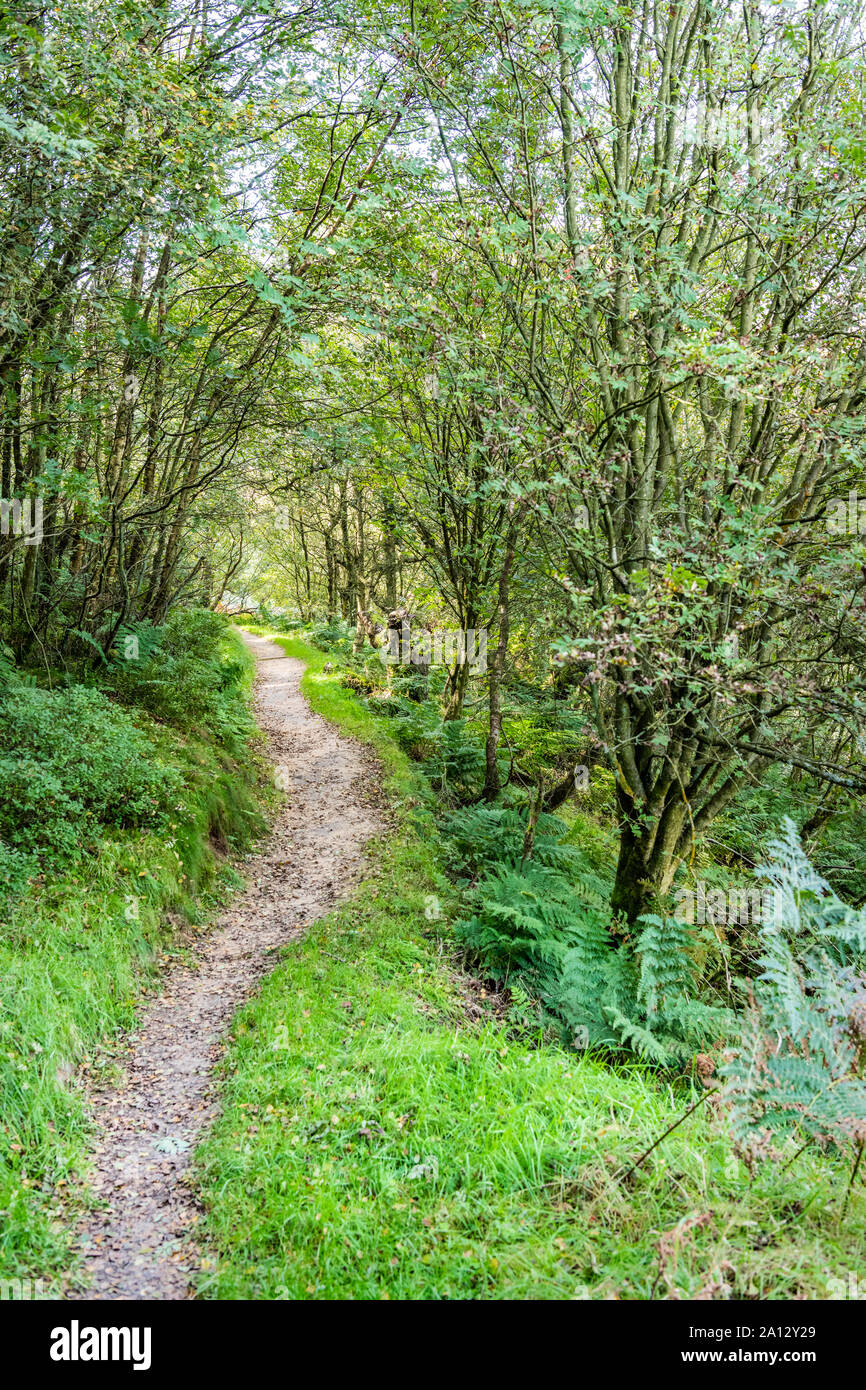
[140,1245]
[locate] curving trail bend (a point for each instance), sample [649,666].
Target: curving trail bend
[141,1243]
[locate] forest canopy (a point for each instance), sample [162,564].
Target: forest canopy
[546,321]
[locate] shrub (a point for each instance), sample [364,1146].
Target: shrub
[333,636]
[70,763]
[185,677]
[36,813]
[455,764]
[17,868]
[7,667]
[525,924]
[546,924]
[277,621]
[479,835]
[100,757]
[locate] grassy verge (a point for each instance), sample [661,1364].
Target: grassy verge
[77,952]
[385,1135]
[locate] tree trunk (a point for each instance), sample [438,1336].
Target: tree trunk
[494,681]
[633,893]
[457,691]
[646,865]
[535,804]
[389,553]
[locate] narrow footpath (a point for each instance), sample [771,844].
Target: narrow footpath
[141,1243]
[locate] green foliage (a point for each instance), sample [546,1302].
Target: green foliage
[450,751]
[333,636]
[840,853]
[455,766]
[278,622]
[17,870]
[72,763]
[190,674]
[796,1071]
[545,737]
[546,923]
[107,823]
[525,923]
[36,813]
[413,1147]
[479,835]
[143,638]
[7,667]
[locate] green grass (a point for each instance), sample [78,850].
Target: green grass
[77,953]
[385,1135]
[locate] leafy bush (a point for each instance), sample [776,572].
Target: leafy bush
[450,751]
[17,868]
[455,765]
[7,667]
[748,827]
[186,678]
[36,813]
[796,1071]
[544,735]
[525,923]
[278,622]
[333,636]
[100,756]
[70,762]
[840,855]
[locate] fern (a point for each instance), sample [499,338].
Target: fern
[8,674]
[456,763]
[665,969]
[642,1000]
[547,922]
[146,637]
[547,925]
[796,1069]
[632,1034]
[525,922]
[482,835]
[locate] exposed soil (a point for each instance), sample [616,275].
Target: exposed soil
[141,1244]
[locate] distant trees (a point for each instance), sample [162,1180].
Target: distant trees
[617,298]
[141,323]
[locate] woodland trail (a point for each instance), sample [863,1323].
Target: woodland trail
[141,1244]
